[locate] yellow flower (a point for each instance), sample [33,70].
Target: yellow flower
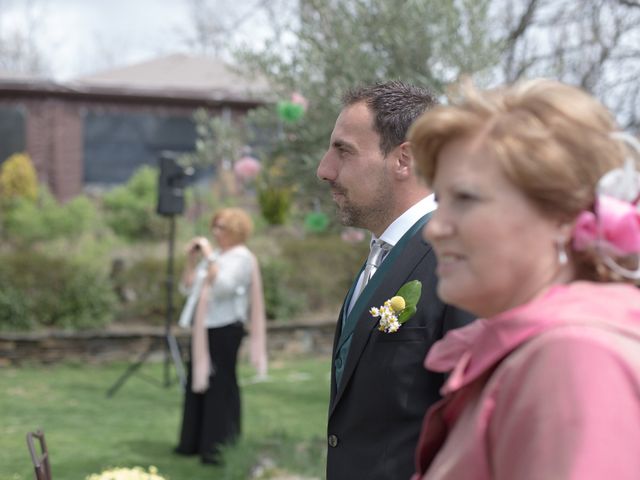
[397,303]
[135,473]
[399,308]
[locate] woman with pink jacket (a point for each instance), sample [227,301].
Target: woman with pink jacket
[537,232]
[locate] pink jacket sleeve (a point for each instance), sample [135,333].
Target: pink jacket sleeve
[567,406]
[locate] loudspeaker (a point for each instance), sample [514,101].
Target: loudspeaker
[171,183]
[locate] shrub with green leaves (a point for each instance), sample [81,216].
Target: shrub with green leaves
[18,178]
[324,268]
[14,308]
[275,203]
[45,291]
[131,208]
[26,221]
[275,194]
[145,282]
[311,273]
[281,301]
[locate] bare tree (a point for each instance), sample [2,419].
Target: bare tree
[19,52]
[594,44]
[217,26]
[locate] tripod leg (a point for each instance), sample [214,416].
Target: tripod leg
[130,371]
[177,360]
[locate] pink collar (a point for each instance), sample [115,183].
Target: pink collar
[470,351]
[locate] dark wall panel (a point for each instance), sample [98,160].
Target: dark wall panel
[117,144]
[12,131]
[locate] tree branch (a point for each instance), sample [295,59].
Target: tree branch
[630,3]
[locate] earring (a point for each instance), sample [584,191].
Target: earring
[562,253]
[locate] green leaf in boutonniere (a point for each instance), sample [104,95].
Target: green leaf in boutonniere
[399,308]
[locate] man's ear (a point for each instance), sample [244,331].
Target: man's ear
[404,168]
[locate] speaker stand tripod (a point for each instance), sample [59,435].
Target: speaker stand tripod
[171,348]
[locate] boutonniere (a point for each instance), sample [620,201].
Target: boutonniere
[399,308]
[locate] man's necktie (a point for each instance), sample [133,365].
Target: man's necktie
[379,249]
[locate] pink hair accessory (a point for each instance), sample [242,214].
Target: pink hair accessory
[585,231]
[613,229]
[616,225]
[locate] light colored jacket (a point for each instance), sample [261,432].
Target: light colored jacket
[230,293]
[548,390]
[236,295]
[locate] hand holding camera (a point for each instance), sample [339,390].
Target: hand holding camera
[199,246]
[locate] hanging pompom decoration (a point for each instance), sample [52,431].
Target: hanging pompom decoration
[292,110]
[316,222]
[247,168]
[298,99]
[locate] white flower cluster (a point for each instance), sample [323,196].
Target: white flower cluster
[388,319]
[135,473]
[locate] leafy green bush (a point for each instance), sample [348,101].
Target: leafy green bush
[310,273]
[142,285]
[325,267]
[131,208]
[275,203]
[281,301]
[26,221]
[45,291]
[18,178]
[14,308]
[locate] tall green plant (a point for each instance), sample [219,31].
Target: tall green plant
[45,291]
[18,178]
[26,221]
[131,208]
[275,195]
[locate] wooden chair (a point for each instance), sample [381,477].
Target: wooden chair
[40,461]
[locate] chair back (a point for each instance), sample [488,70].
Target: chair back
[40,460]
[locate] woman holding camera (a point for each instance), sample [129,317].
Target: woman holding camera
[225,299]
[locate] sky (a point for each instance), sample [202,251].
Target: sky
[79,37]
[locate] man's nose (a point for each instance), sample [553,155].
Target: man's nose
[326,170]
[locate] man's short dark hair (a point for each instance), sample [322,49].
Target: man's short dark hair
[395,106]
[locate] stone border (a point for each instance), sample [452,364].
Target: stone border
[95,346]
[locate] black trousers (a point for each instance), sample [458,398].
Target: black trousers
[212,418]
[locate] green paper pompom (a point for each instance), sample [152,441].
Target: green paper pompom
[316,222]
[290,112]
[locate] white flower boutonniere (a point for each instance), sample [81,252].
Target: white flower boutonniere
[399,308]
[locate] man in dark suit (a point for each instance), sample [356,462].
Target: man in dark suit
[379,387]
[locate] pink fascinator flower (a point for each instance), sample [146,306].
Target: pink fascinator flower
[617,225]
[585,231]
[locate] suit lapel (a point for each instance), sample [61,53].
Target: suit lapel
[384,284]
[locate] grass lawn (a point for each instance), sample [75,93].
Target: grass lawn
[86,432]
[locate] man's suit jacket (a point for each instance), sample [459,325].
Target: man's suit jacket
[376,410]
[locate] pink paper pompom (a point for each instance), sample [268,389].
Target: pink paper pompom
[247,168]
[298,99]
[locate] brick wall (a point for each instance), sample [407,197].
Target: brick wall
[54,132]
[54,141]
